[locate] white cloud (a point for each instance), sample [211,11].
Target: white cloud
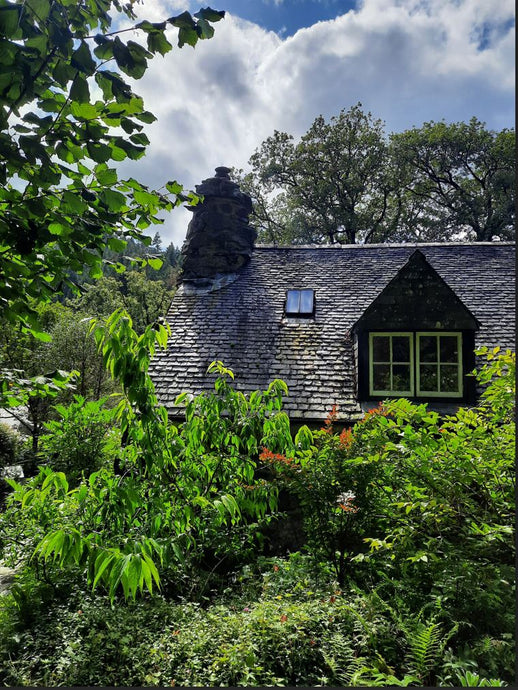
[407,61]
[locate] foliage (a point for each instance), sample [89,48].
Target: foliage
[35,370]
[433,500]
[463,177]
[336,184]
[10,443]
[176,497]
[345,181]
[316,636]
[65,118]
[81,440]
[144,299]
[335,496]
[411,511]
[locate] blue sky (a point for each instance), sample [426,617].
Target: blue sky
[285,17]
[278,64]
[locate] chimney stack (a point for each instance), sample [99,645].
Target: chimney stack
[219,238]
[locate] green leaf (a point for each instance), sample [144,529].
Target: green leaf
[117,154]
[100,153]
[158,43]
[146,117]
[104,48]
[145,198]
[73,202]
[183,21]
[116,244]
[115,201]
[63,72]
[210,15]
[140,139]
[205,30]
[189,36]
[40,9]
[40,335]
[58,229]
[82,60]
[9,20]
[106,177]
[103,560]
[80,91]
[40,43]
[96,272]
[85,111]
[155,263]
[174,187]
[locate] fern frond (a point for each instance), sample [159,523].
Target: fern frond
[424,648]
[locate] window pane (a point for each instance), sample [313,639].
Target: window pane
[401,377]
[449,348]
[292,302]
[381,348]
[449,379]
[400,349]
[381,377]
[306,301]
[428,378]
[428,348]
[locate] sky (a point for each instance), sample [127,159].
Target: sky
[278,64]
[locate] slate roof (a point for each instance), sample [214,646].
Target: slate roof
[243,323]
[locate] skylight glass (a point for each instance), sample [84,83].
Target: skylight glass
[300,302]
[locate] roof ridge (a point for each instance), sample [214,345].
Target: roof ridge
[334,247]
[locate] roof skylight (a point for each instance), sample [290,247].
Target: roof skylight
[300,302]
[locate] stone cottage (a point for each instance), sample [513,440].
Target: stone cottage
[348,325]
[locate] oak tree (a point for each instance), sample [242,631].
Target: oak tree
[335,185]
[462,177]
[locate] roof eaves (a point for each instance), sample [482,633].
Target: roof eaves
[417,245]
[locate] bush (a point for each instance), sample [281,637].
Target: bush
[286,635]
[421,508]
[10,445]
[83,641]
[180,499]
[82,440]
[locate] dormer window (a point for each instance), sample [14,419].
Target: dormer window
[300,302]
[391,364]
[416,339]
[423,364]
[439,364]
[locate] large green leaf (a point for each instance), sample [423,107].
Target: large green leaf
[82,59]
[158,43]
[80,91]
[10,20]
[205,30]
[113,200]
[210,15]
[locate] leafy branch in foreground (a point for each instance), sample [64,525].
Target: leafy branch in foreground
[171,498]
[65,117]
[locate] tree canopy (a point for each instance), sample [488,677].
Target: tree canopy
[67,117]
[462,175]
[346,181]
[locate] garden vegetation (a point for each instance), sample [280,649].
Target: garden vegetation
[405,576]
[149,553]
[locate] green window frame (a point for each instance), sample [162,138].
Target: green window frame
[428,365]
[438,364]
[388,362]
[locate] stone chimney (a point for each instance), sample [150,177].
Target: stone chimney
[219,239]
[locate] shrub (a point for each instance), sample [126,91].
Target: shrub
[82,440]
[182,499]
[10,445]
